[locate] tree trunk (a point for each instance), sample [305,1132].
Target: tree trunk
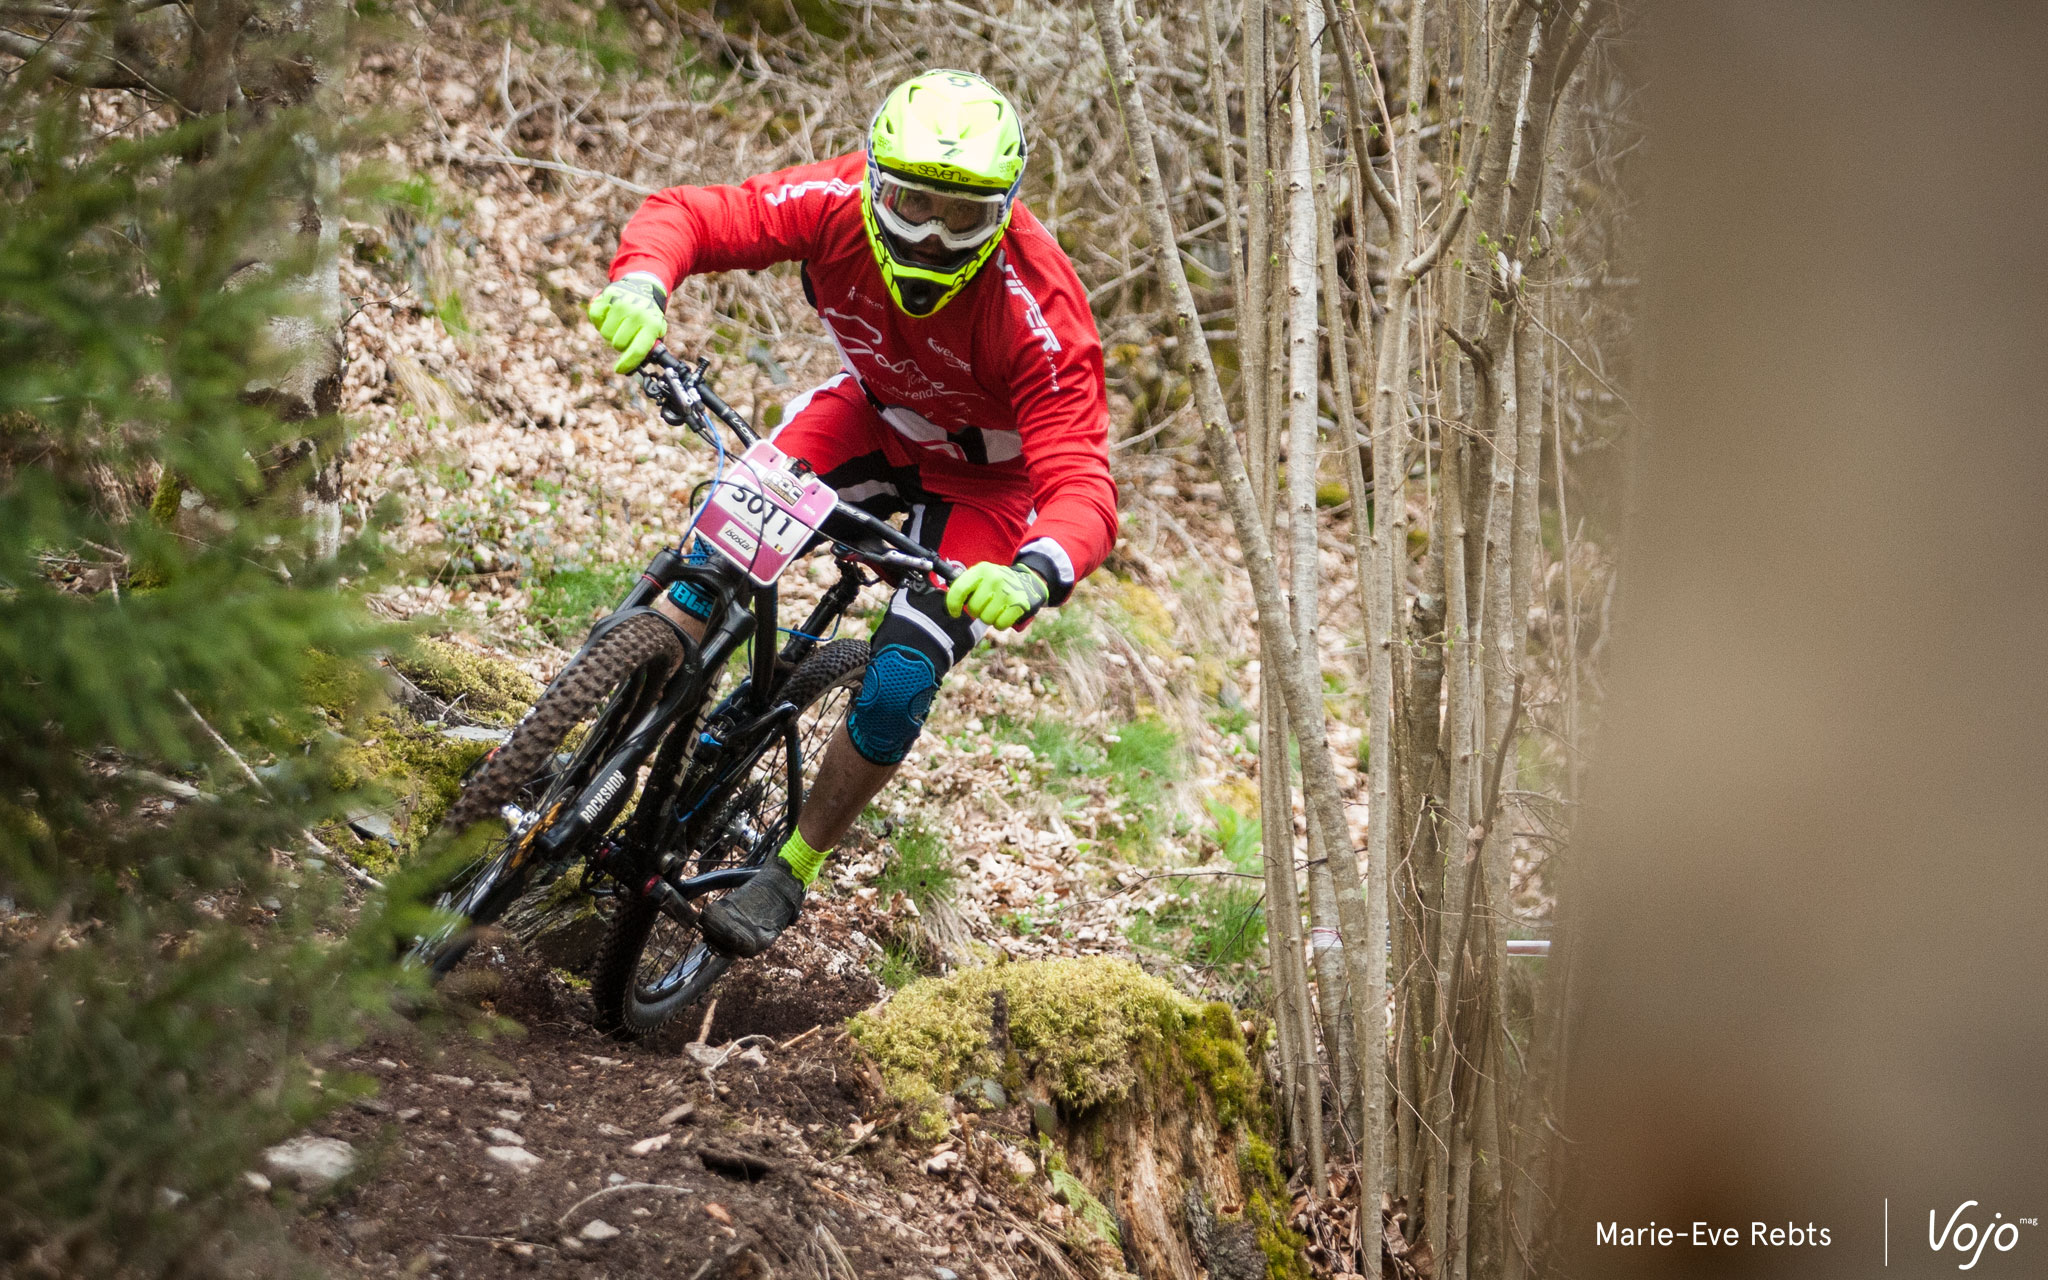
[1300,674]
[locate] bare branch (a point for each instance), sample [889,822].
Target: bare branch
[79,13]
[1423,261]
[454,156]
[66,67]
[1354,111]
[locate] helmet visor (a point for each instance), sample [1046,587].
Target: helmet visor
[916,214]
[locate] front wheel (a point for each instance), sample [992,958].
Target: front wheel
[653,967]
[540,768]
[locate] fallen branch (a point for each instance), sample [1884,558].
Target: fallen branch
[505,1242]
[663,1187]
[452,156]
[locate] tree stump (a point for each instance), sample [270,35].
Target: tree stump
[1155,1131]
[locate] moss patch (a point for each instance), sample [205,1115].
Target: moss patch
[1266,1203]
[342,688]
[1073,1193]
[1085,1029]
[1146,619]
[412,769]
[486,689]
[1282,1244]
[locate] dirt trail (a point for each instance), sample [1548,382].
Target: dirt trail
[526,1152]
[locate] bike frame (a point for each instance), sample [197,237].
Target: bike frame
[734,734]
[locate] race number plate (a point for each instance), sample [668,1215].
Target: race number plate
[763,512]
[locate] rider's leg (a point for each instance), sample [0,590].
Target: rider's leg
[846,781]
[912,649]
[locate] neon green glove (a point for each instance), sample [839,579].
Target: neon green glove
[629,313]
[998,595]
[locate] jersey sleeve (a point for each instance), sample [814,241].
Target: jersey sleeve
[776,217]
[1062,408]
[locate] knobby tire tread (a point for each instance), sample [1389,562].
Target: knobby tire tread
[590,675]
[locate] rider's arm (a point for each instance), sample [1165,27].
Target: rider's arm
[776,217]
[1062,408]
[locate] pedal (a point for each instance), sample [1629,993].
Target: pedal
[672,904]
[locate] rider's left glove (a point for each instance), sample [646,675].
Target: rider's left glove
[630,314]
[1002,596]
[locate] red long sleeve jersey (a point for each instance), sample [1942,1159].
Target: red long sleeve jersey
[1006,375]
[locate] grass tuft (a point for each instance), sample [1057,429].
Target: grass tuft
[567,601]
[920,869]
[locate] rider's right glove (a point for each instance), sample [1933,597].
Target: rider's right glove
[629,313]
[1000,595]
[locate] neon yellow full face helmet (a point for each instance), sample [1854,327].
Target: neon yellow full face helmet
[945,156]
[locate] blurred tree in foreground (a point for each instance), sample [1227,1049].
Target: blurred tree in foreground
[166,960]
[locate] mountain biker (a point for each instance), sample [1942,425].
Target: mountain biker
[971,398]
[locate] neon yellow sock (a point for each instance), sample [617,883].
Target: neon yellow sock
[804,861]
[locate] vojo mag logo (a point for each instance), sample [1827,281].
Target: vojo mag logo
[1968,1235]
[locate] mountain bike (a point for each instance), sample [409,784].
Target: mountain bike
[634,764]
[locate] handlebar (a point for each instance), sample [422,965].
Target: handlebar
[687,400]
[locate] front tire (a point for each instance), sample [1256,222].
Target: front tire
[652,967]
[609,685]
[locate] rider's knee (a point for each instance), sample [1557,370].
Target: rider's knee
[895,697]
[915,645]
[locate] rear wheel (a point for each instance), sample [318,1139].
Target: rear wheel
[653,967]
[523,786]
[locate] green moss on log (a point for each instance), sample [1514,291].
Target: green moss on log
[1266,1204]
[1282,1244]
[1089,1212]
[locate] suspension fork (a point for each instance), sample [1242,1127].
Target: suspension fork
[765,611]
[599,797]
[732,630]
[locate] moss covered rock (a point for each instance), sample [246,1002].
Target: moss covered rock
[1082,1029]
[399,766]
[410,771]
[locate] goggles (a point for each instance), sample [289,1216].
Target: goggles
[914,213]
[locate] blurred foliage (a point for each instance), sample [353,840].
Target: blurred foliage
[170,973]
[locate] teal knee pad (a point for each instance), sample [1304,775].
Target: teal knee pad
[895,697]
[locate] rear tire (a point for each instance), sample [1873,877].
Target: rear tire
[652,967]
[611,683]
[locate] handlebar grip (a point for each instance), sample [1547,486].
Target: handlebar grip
[948,569]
